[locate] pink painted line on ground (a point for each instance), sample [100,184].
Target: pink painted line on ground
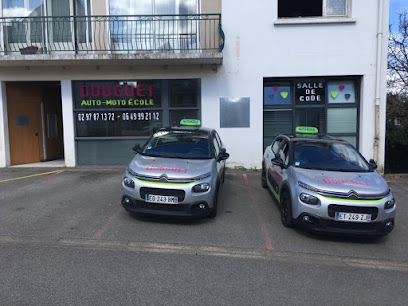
[103,228]
[403,226]
[56,173]
[258,214]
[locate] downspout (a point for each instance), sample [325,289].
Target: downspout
[378,84]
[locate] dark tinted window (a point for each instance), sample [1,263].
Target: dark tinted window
[178,144]
[328,156]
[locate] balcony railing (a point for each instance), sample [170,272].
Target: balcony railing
[112,34]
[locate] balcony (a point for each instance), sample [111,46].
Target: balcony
[119,40]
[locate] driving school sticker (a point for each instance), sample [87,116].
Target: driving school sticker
[345,182]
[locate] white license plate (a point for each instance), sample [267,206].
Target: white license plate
[352,217]
[154,198]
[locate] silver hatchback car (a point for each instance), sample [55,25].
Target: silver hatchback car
[177,172]
[325,184]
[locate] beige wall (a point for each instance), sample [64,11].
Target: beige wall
[210,6]
[98,7]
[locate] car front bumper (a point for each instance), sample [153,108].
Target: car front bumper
[190,204]
[191,210]
[321,217]
[317,224]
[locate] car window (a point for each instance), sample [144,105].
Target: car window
[218,139]
[329,156]
[275,145]
[216,146]
[283,151]
[178,144]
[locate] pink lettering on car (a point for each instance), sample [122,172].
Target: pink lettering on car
[161,168]
[345,182]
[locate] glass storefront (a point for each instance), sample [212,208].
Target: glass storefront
[112,116]
[330,104]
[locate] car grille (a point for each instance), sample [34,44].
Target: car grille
[180,194]
[162,207]
[373,211]
[165,179]
[352,195]
[350,226]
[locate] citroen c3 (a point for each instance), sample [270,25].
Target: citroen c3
[324,184]
[178,172]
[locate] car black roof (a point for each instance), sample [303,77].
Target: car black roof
[198,130]
[313,138]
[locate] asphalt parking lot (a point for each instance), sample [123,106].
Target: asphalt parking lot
[84,204]
[66,240]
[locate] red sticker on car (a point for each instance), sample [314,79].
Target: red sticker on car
[161,168]
[345,182]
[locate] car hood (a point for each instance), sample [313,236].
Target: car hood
[173,168]
[363,183]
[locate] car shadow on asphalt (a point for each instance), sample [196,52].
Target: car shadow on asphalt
[341,238]
[170,220]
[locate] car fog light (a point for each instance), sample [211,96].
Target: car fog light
[308,199]
[126,200]
[129,182]
[389,225]
[306,218]
[202,206]
[389,204]
[201,187]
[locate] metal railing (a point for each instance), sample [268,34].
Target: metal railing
[112,34]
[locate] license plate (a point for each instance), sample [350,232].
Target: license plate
[154,198]
[352,217]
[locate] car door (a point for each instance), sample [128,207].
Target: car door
[277,163]
[217,149]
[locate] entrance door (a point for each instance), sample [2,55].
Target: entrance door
[25,129]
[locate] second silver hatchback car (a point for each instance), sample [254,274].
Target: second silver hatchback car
[325,184]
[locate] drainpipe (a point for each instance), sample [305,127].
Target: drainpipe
[378,84]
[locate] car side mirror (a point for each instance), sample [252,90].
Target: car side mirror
[372,163]
[277,161]
[136,149]
[223,155]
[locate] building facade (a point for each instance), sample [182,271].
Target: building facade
[84,80]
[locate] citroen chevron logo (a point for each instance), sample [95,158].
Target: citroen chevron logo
[164,178]
[353,194]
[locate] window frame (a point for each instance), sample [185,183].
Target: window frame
[326,105]
[324,12]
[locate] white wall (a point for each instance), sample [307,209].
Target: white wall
[256,48]
[4,138]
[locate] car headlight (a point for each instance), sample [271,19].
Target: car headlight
[131,172]
[308,187]
[201,177]
[128,182]
[201,187]
[309,199]
[389,204]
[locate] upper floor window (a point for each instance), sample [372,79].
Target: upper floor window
[150,7]
[312,8]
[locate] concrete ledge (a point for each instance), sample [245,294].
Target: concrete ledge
[206,58]
[316,20]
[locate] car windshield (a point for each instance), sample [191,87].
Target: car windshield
[329,156]
[178,144]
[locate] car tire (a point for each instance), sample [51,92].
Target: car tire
[213,212]
[263,177]
[286,210]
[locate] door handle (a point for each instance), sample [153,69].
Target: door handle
[36,134]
